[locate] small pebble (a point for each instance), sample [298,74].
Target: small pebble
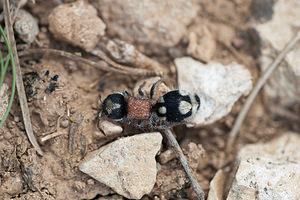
[110,128]
[166,156]
[90,182]
[16,118]
[77,23]
[202,44]
[26,26]
[64,123]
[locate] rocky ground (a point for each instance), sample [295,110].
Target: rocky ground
[217,49]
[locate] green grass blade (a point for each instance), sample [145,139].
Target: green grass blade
[2,68]
[9,57]
[1,60]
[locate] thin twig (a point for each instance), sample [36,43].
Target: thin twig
[258,86]
[11,7]
[278,110]
[19,80]
[14,9]
[99,65]
[196,186]
[118,66]
[53,133]
[72,131]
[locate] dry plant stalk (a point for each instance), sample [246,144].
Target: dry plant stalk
[262,80]
[19,80]
[99,65]
[72,131]
[173,142]
[52,134]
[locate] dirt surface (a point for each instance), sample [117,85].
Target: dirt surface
[59,90]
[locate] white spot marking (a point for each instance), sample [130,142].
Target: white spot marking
[116,106]
[162,110]
[184,107]
[110,106]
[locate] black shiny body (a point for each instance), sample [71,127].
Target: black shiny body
[113,106]
[173,108]
[171,103]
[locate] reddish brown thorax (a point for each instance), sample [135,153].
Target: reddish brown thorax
[138,108]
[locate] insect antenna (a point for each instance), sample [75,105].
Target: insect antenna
[100,99]
[99,116]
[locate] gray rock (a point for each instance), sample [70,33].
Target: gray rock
[147,21]
[218,86]
[283,85]
[127,165]
[77,23]
[268,171]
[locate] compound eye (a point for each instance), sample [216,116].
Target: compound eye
[114,106]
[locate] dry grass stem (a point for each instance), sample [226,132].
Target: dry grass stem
[19,80]
[101,65]
[255,91]
[173,142]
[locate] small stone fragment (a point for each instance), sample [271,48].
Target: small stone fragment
[110,128]
[26,26]
[3,100]
[268,171]
[161,23]
[64,123]
[218,86]
[202,44]
[127,165]
[217,186]
[77,23]
[166,156]
[195,154]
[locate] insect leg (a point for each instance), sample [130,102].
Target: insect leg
[153,88]
[140,90]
